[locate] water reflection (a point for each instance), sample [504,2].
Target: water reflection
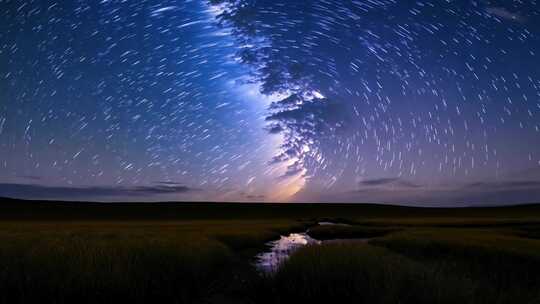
[280,250]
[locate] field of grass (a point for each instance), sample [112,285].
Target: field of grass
[203,253]
[426,265]
[361,273]
[349,232]
[95,262]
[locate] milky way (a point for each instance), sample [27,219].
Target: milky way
[431,102]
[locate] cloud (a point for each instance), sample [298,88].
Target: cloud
[379,181]
[88,192]
[499,192]
[168,183]
[383,190]
[274,129]
[293,170]
[394,181]
[504,185]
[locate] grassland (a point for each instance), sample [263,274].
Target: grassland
[202,253]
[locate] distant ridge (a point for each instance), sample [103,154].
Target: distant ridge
[17,209]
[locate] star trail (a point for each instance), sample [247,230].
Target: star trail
[425,102]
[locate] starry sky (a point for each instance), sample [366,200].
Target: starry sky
[382,101]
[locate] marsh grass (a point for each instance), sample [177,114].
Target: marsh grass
[204,254]
[137,262]
[503,267]
[436,265]
[528,231]
[361,273]
[348,232]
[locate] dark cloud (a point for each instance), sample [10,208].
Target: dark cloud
[379,181]
[168,183]
[498,192]
[307,121]
[163,189]
[90,192]
[383,190]
[274,129]
[505,185]
[394,181]
[293,169]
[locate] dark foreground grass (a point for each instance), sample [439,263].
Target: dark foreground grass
[189,254]
[348,232]
[136,262]
[74,269]
[503,267]
[360,273]
[416,266]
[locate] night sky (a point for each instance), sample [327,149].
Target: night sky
[382,101]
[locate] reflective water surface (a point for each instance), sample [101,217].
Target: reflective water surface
[280,250]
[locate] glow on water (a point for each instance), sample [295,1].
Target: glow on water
[269,261]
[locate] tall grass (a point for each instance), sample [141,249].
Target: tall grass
[348,232]
[360,273]
[75,269]
[505,268]
[185,262]
[427,267]
[195,254]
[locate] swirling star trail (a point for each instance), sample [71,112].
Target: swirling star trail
[426,102]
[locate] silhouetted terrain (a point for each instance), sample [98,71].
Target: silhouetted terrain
[65,252]
[27,209]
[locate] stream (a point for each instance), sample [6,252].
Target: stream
[280,250]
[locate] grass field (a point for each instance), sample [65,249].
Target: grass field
[203,253]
